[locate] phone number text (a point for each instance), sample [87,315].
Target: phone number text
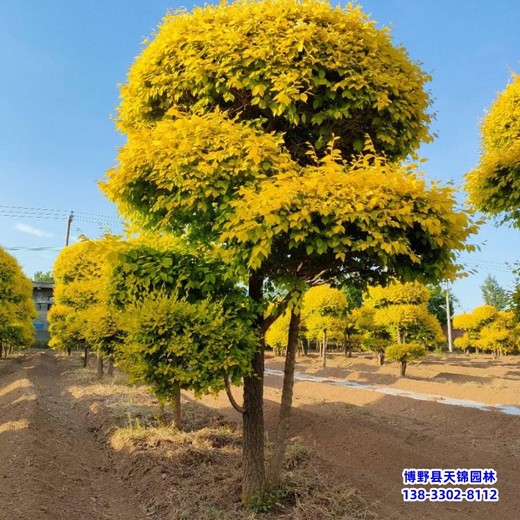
[442,494]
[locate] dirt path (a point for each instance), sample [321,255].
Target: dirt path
[51,464]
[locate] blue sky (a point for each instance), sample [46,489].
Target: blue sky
[61,62]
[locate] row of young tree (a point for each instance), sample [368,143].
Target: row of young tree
[488,329]
[393,322]
[17,309]
[260,170]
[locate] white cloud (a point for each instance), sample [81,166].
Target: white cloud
[24,228]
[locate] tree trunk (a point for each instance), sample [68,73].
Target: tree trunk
[85,357]
[162,414]
[100,367]
[69,351]
[277,459]
[403,368]
[177,409]
[110,366]
[324,361]
[381,358]
[305,347]
[348,346]
[253,477]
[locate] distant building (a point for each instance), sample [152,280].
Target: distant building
[455,333]
[43,293]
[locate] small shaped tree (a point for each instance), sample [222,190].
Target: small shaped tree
[405,352]
[324,312]
[173,344]
[277,334]
[498,335]
[402,310]
[375,338]
[80,274]
[180,308]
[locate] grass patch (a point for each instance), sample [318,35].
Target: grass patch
[202,472]
[514,448]
[353,408]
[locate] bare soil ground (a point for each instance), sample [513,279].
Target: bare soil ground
[366,439]
[51,464]
[67,451]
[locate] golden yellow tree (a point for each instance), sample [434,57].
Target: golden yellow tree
[494,186]
[80,273]
[186,319]
[237,143]
[487,329]
[325,311]
[472,323]
[499,335]
[277,334]
[402,310]
[17,308]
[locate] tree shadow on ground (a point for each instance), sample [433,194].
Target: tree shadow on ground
[462,378]
[514,375]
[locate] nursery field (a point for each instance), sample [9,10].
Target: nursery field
[71,447]
[366,438]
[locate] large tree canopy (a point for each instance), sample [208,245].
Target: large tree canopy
[494,186]
[331,72]
[212,105]
[271,131]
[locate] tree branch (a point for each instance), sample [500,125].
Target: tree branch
[234,404]
[278,310]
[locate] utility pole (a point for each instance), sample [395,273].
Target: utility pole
[69,222]
[324,360]
[448,317]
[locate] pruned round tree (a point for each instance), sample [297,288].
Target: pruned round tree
[472,323]
[401,309]
[80,272]
[494,185]
[174,344]
[403,353]
[253,147]
[325,312]
[185,317]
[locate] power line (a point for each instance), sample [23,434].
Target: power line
[43,213]
[25,215]
[25,248]
[25,208]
